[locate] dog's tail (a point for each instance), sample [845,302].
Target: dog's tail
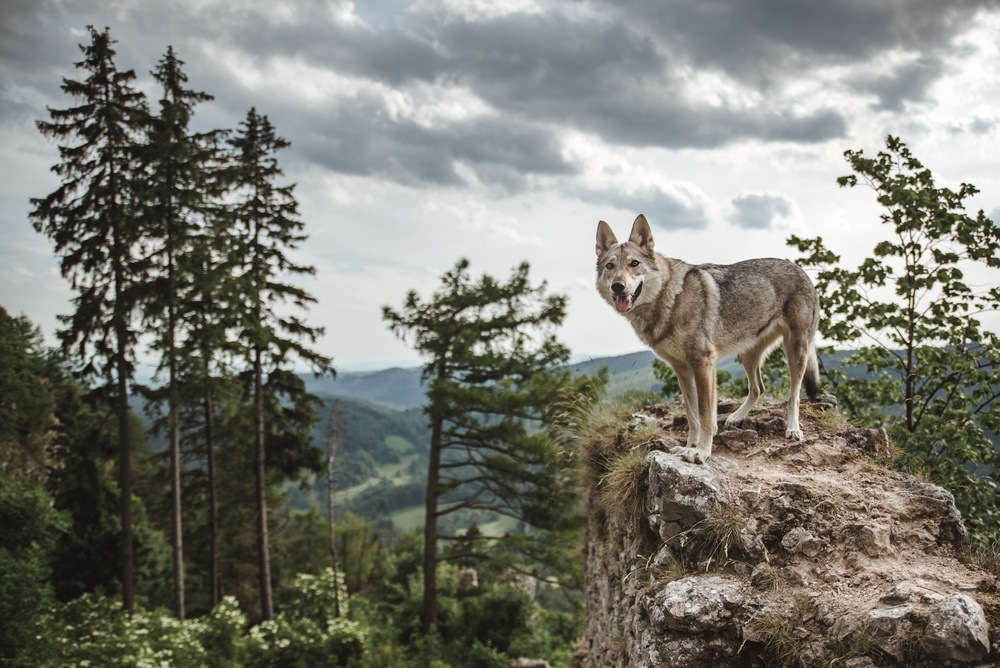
[810,379]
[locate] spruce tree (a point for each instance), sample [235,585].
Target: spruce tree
[493,370]
[91,218]
[181,169]
[266,227]
[206,366]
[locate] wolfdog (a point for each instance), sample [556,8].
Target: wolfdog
[691,315]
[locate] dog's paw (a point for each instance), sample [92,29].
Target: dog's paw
[735,420]
[793,434]
[693,455]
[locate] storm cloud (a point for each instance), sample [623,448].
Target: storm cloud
[673,74]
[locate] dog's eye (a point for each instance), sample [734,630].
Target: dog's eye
[609,265]
[633,263]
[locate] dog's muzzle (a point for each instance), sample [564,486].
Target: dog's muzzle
[624,302]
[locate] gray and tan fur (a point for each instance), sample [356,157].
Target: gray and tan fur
[693,315]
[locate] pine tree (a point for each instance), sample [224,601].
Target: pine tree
[266,224]
[493,369]
[91,219]
[182,170]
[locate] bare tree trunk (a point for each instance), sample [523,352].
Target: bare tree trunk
[177,533]
[124,426]
[333,435]
[429,614]
[125,474]
[214,575]
[176,523]
[264,559]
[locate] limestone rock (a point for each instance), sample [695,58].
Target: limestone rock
[800,540]
[696,604]
[938,504]
[737,440]
[838,552]
[859,662]
[957,630]
[875,540]
[680,494]
[889,626]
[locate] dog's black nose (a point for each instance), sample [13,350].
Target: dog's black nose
[617,287]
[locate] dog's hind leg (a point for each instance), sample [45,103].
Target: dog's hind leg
[752,360]
[797,351]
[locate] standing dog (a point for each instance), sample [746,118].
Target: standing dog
[691,315]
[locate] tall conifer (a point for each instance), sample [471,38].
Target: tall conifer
[267,227]
[182,169]
[91,218]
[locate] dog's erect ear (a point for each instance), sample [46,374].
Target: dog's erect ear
[605,238]
[641,235]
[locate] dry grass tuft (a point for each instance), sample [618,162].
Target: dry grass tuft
[858,642]
[603,438]
[781,642]
[828,420]
[986,557]
[711,539]
[766,578]
[620,493]
[913,641]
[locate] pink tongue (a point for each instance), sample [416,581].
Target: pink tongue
[623,304]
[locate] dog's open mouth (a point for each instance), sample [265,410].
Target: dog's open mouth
[625,302]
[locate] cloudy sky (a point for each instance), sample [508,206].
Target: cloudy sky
[503,130]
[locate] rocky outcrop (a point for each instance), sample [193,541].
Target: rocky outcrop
[782,553]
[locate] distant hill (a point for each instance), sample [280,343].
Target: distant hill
[401,389]
[394,388]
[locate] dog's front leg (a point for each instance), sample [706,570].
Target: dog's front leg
[689,391]
[698,387]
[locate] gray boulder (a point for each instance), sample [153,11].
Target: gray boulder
[680,494]
[696,604]
[957,630]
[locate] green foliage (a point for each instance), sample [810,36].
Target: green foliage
[91,219]
[28,425]
[30,529]
[177,196]
[306,633]
[930,366]
[94,630]
[145,223]
[664,373]
[496,616]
